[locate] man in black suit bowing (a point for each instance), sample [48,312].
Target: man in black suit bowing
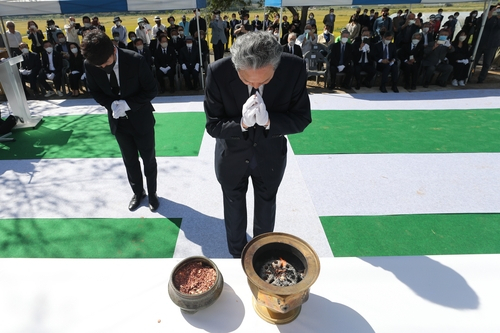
[121,81]
[291,47]
[385,55]
[253,100]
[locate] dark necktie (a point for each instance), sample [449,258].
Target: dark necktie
[341,62]
[254,91]
[113,82]
[386,52]
[291,49]
[164,51]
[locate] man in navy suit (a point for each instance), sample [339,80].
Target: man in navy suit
[165,63]
[121,81]
[385,55]
[252,100]
[189,59]
[340,57]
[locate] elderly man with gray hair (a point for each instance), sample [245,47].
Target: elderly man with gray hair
[411,58]
[253,100]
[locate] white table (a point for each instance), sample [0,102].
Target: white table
[378,294]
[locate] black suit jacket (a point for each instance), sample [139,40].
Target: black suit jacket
[334,55]
[289,110]
[193,26]
[417,53]
[177,45]
[165,60]
[256,24]
[357,54]
[57,60]
[190,59]
[31,61]
[137,88]
[297,50]
[379,51]
[146,54]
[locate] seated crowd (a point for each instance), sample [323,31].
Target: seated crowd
[369,44]
[55,56]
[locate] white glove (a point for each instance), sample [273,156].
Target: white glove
[21,71]
[50,76]
[465,61]
[391,63]
[119,107]
[366,48]
[447,43]
[83,76]
[340,68]
[197,67]
[262,116]
[167,69]
[184,67]
[249,110]
[75,72]
[163,69]
[27,72]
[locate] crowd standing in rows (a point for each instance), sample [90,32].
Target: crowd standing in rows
[369,43]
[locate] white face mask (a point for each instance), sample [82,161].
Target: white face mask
[344,40]
[189,45]
[425,30]
[291,43]
[52,27]
[245,21]
[32,27]
[415,41]
[62,40]
[140,47]
[217,17]
[462,38]
[474,15]
[307,31]
[181,33]
[311,17]
[164,45]
[87,25]
[49,49]
[118,23]
[116,39]
[411,22]
[74,50]
[25,51]
[387,42]
[174,37]
[133,38]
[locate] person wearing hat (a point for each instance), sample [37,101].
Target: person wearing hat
[193,26]
[141,31]
[189,59]
[184,23]
[158,25]
[218,27]
[120,29]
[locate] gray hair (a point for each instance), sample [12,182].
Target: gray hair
[416,34]
[255,50]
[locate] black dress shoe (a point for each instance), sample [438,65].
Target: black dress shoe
[382,89]
[407,86]
[426,85]
[395,89]
[135,202]
[413,87]
[357,87]
[153,202]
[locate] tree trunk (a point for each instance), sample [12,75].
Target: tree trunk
[303,15]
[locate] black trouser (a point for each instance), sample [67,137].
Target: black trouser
[218,50]
[386,69]
[443,68]
[410,72]
[74,81]
[460,71]
[191,77]
[160,76]
[347,78]
[32,79]
[42,79]
[364,67]
[132,144]
[488,54]
[235,210]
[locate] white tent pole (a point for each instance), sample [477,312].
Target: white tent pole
[478,40]
[199,47]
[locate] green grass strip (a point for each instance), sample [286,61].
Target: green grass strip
[88,136]
[400,131]
[411,235]
[88,238]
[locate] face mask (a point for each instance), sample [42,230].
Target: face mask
[276,34]
[326,32]
[415,41]
[25,51]
[189,45]
[462,38]
[425,30]
[116,38]
[365,39]
[49,49]
[455,16]
[443,38]
[171,22]
[372,15]
[198,14]
[474,15]
[291,43]
[52,27]
[387,42]
[344,40]
[384,14]
[164,45]
[72,23]
[181,33]
[109,68]
[307,31]
[217,17]
[140,47]
[74,50]
[311,17]
[133,38]
[174,37]
[86,25]
[62,40]
[411,22]
[118,23]
[245,21]
[32,27]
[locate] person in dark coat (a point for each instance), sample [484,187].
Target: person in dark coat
[460,59]
[340,58]
[411,56]
[29,68]
[75,68]
[385,56]
[165,63]
[189,59]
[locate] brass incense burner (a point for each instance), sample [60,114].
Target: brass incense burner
[280,269]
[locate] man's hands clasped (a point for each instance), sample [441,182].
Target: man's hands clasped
[254,112]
